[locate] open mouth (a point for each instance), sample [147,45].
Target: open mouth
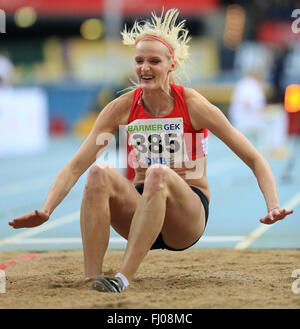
[147,77]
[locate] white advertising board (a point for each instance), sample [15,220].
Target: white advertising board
[23,121]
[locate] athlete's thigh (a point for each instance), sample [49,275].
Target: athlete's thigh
[123,201]
[185,216]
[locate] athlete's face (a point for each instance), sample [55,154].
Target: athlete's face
[152,64]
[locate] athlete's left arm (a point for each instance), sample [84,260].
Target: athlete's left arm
[203,114]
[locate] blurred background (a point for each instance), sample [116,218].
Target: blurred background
[62,61]
[72,51]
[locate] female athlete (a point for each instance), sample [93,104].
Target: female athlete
[166,207]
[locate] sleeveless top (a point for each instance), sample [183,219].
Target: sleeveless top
[168,139]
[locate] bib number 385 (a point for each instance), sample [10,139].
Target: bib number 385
[157,144]
[157,140]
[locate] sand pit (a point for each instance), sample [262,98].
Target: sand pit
[192,279]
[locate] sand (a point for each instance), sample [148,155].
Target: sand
[192,279]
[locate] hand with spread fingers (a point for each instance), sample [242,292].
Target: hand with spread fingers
[32,219]
[274,215]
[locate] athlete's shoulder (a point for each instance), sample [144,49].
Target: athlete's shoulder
[200,109]
[125,99]
[195,101]
[117,111]
[192,95]
[122,104]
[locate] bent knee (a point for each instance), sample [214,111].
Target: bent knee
[156,178]
[97,179]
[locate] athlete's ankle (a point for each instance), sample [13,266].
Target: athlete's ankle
[124,280]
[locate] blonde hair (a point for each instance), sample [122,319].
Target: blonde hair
[165,28]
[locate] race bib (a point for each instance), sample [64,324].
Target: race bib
[158,141]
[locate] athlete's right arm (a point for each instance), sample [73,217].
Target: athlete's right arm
[114,114]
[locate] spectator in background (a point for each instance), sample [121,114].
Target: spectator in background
[247,105]
[6,70]
[281,54]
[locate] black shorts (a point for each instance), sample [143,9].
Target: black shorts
[159,242]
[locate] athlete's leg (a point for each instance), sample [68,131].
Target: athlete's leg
[168,205]
[109,199]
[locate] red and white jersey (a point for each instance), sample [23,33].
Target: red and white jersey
[169,139]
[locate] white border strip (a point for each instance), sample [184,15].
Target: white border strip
[260,230]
